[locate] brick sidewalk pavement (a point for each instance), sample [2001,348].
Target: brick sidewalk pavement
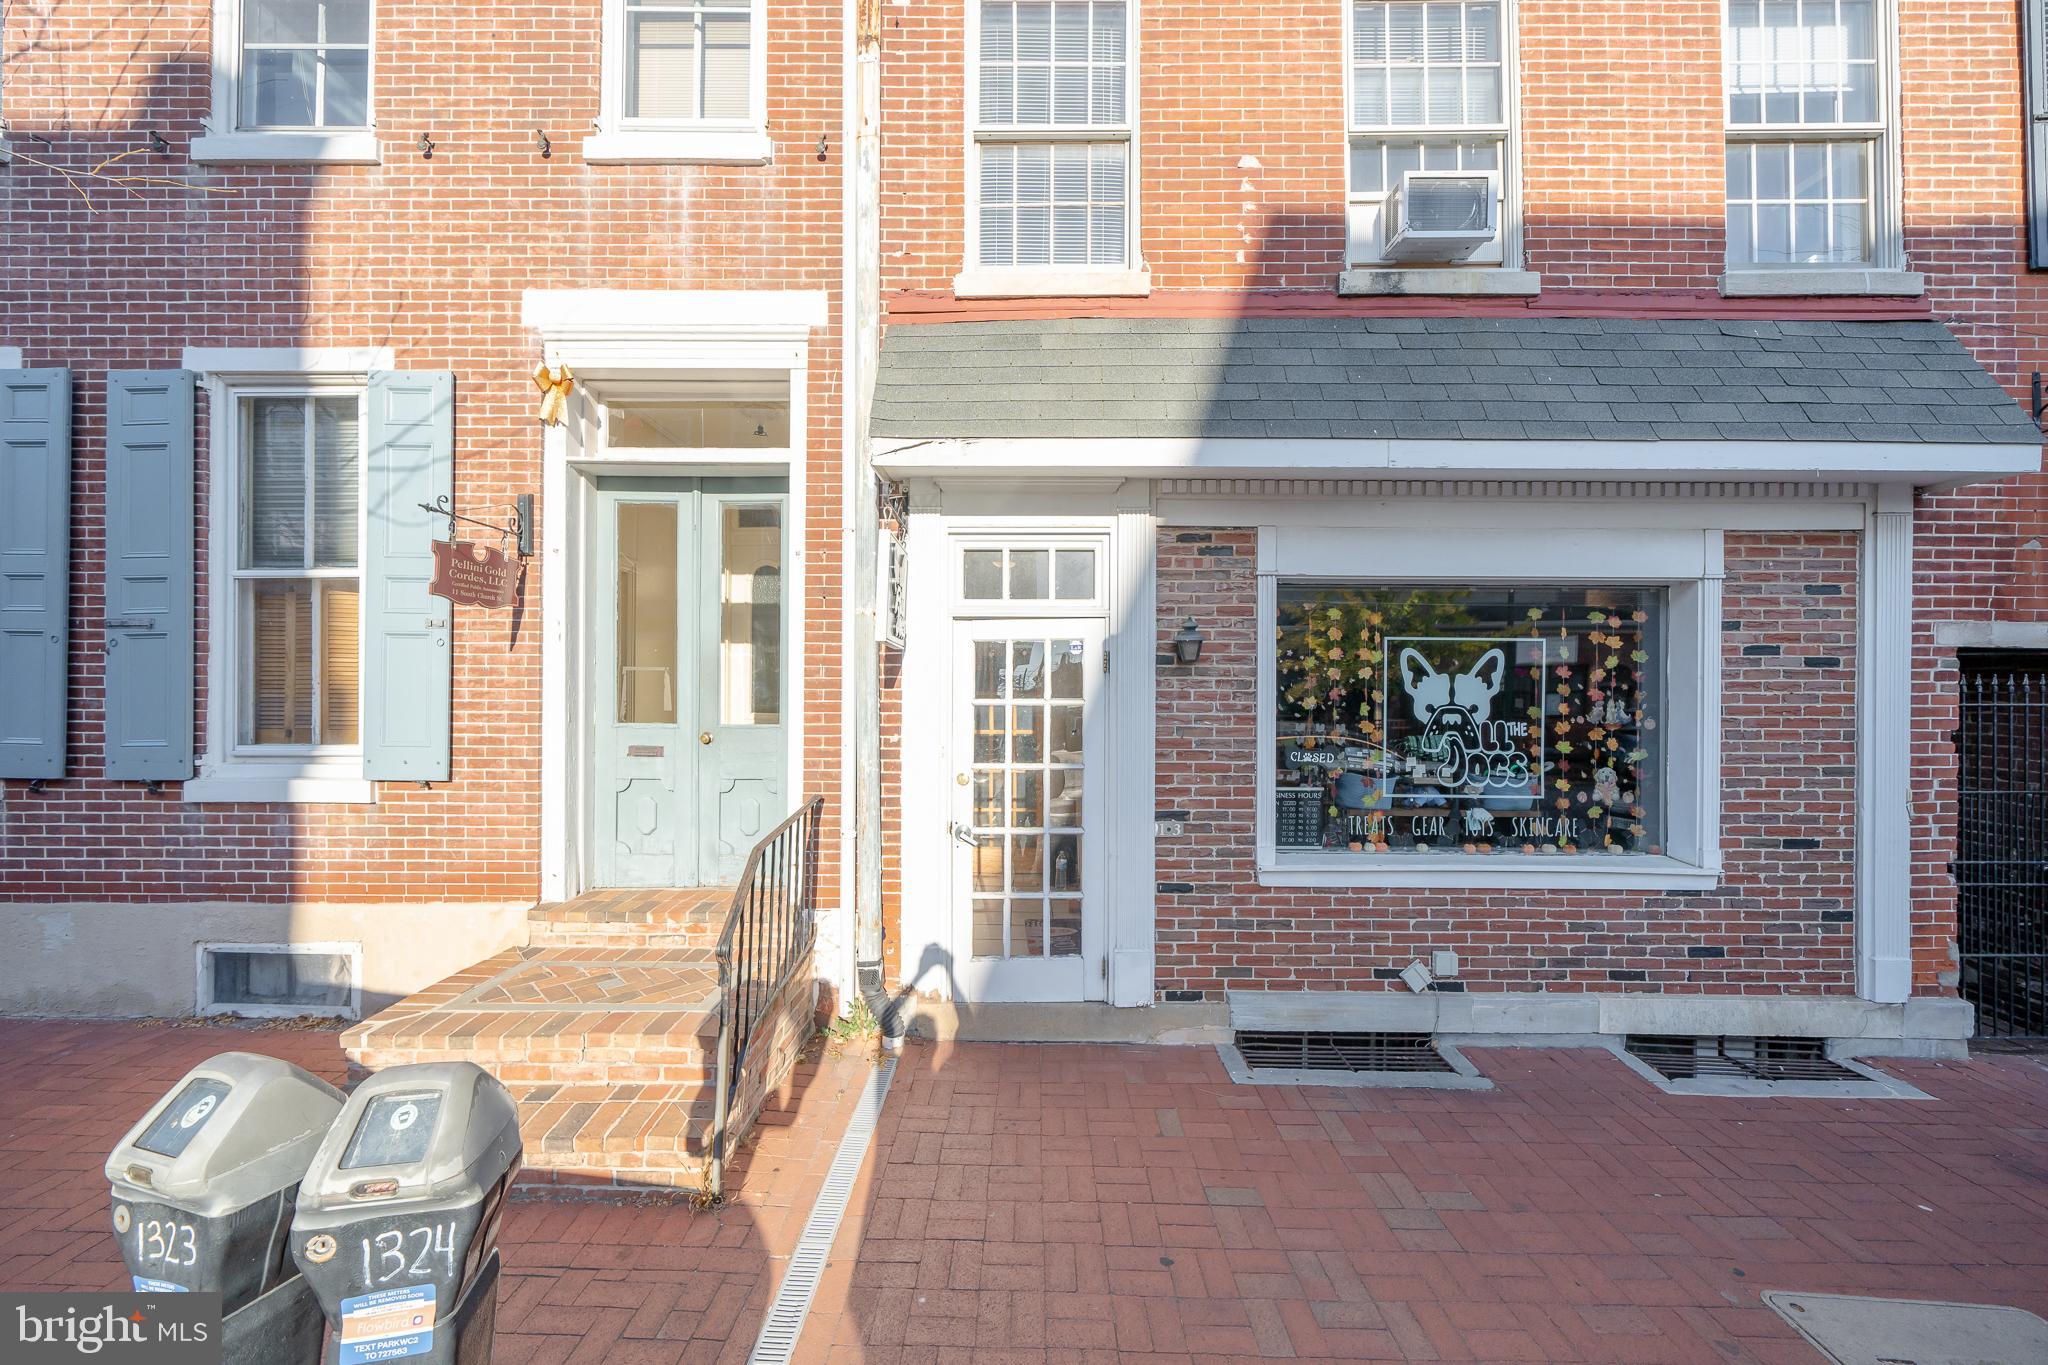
[1068,1203]
[626,1285]
[1079,1203]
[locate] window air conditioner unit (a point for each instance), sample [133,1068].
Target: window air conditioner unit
[1441,215]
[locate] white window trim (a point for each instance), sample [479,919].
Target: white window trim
[1133,279]
[1885,274]
[1034,608]
[227,142]
[205,1004]
[1394,278]
[1686,563]
[620,141]
[330,776]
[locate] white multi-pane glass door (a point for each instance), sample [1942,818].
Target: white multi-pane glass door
[1026,852]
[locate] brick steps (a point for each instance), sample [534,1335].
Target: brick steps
[690,919]
[604,1028]
[620,1136]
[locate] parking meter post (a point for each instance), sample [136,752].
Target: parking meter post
[397,1221]
[203,1191]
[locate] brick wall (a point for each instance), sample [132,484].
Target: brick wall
[429,257]
[1781,920]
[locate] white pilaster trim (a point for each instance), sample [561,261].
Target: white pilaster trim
[1133,634]
[1884,768]
[559,874]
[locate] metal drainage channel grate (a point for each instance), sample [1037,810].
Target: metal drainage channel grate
[1684,1058]
[1341,1052]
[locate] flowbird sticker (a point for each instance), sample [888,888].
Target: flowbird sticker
[390,1324]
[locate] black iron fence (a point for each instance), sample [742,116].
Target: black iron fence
[2002,844]
[765,947]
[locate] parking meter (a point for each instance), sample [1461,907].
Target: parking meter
[397,1221]
[203,1191]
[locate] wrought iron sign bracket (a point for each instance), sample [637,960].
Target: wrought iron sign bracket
[519,530]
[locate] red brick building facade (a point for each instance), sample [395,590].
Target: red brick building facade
[1614,148]
[479,182]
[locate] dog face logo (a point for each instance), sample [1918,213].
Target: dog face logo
[1453,703]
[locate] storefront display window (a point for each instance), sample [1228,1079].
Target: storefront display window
[1423,718]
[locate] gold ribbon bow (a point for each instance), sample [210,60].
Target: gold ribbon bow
[555,387]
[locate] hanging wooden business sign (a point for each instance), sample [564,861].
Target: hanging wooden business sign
[472,574]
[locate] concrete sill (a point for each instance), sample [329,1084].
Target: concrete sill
[1504,872]
[1818,282]
[285,786]
[679,146]
[1482,282]
[1040,282]
[358,148]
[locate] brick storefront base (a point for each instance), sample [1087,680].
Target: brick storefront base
[1780,922]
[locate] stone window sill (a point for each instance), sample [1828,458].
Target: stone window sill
[327,782]
[1040,282]
[1835,282]
[1388,282]
[679,146]
[355,148]
[1563,873]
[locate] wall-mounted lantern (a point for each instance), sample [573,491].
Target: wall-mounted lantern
[1188,642]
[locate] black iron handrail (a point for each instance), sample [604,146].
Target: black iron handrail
[768,935]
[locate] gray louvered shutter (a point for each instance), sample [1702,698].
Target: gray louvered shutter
[407,676]
[149,651]
[35,572]
[2036,12]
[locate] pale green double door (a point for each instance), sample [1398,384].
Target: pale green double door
[692,637]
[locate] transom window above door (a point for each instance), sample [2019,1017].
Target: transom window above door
[1026,575]
[735,410]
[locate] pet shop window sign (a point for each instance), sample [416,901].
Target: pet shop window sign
[1452,746]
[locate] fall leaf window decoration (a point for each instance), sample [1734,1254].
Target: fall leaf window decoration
[1468,720]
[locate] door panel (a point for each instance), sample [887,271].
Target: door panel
[1027,883]
[689,737]
[643,690]
[742,750]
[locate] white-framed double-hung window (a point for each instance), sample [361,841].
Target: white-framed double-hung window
[292,82]
[1811,185]
[297,623]
[286,610]
[1051,154]
[1430,108]
[684,80]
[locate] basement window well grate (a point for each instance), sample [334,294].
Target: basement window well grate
[1354,1052]
[1689,1058]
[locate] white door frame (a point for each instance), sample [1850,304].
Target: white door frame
[1119,518]
[638,331]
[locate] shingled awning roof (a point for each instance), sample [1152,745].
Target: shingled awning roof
[1442,378]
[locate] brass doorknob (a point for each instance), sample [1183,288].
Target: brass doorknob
[704,738]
